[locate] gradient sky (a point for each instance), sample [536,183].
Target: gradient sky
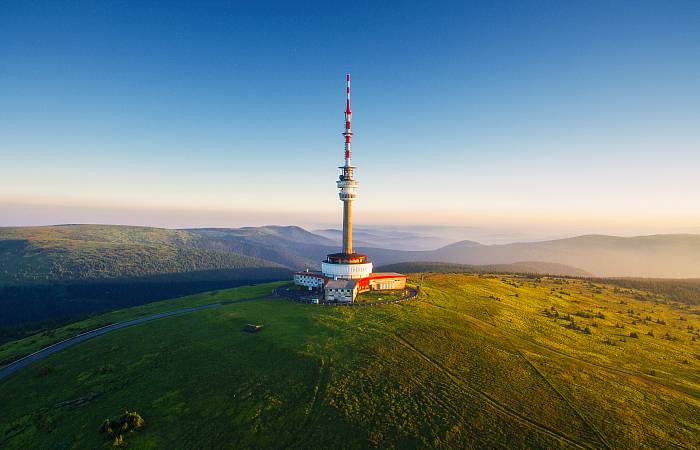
[562,114]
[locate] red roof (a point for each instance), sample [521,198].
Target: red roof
[376,275]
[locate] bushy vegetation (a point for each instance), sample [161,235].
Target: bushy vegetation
[452,369]
[116,428]
[684,291]
[542,268]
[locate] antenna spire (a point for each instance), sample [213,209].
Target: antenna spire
[348,118]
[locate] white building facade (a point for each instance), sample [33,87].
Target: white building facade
[309,279]
[336,271]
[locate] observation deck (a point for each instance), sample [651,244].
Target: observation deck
[347,266]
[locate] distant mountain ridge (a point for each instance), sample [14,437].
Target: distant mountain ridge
[659,256]
[109,251]
[463,244]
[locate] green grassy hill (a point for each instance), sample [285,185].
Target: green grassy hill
[52,275]
[97,252]
[476,361]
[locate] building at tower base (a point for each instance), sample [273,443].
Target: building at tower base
[344,275]
[346,289]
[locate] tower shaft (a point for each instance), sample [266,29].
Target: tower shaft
[347,227]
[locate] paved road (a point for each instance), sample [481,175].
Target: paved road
[43,353]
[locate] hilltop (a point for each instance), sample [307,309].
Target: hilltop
[477,361]
[55,274]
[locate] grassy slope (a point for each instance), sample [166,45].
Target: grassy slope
[468,364]
[86,252]
[16,349]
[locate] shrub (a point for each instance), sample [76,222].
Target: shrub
[127,422]
[118,441]
[669,337]
[633,334]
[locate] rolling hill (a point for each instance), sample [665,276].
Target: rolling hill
[100,252]
[659,256]
[49,275]
[474,362]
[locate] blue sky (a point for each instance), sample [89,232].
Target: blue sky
[555,114]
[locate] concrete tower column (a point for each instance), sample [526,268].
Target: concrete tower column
[347,226]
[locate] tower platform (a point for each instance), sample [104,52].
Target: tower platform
[346,266]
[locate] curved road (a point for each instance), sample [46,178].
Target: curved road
[43,353]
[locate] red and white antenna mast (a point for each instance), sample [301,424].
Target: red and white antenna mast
[348,119]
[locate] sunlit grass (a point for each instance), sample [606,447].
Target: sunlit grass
[476,361]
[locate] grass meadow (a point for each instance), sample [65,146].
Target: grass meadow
[475,361]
